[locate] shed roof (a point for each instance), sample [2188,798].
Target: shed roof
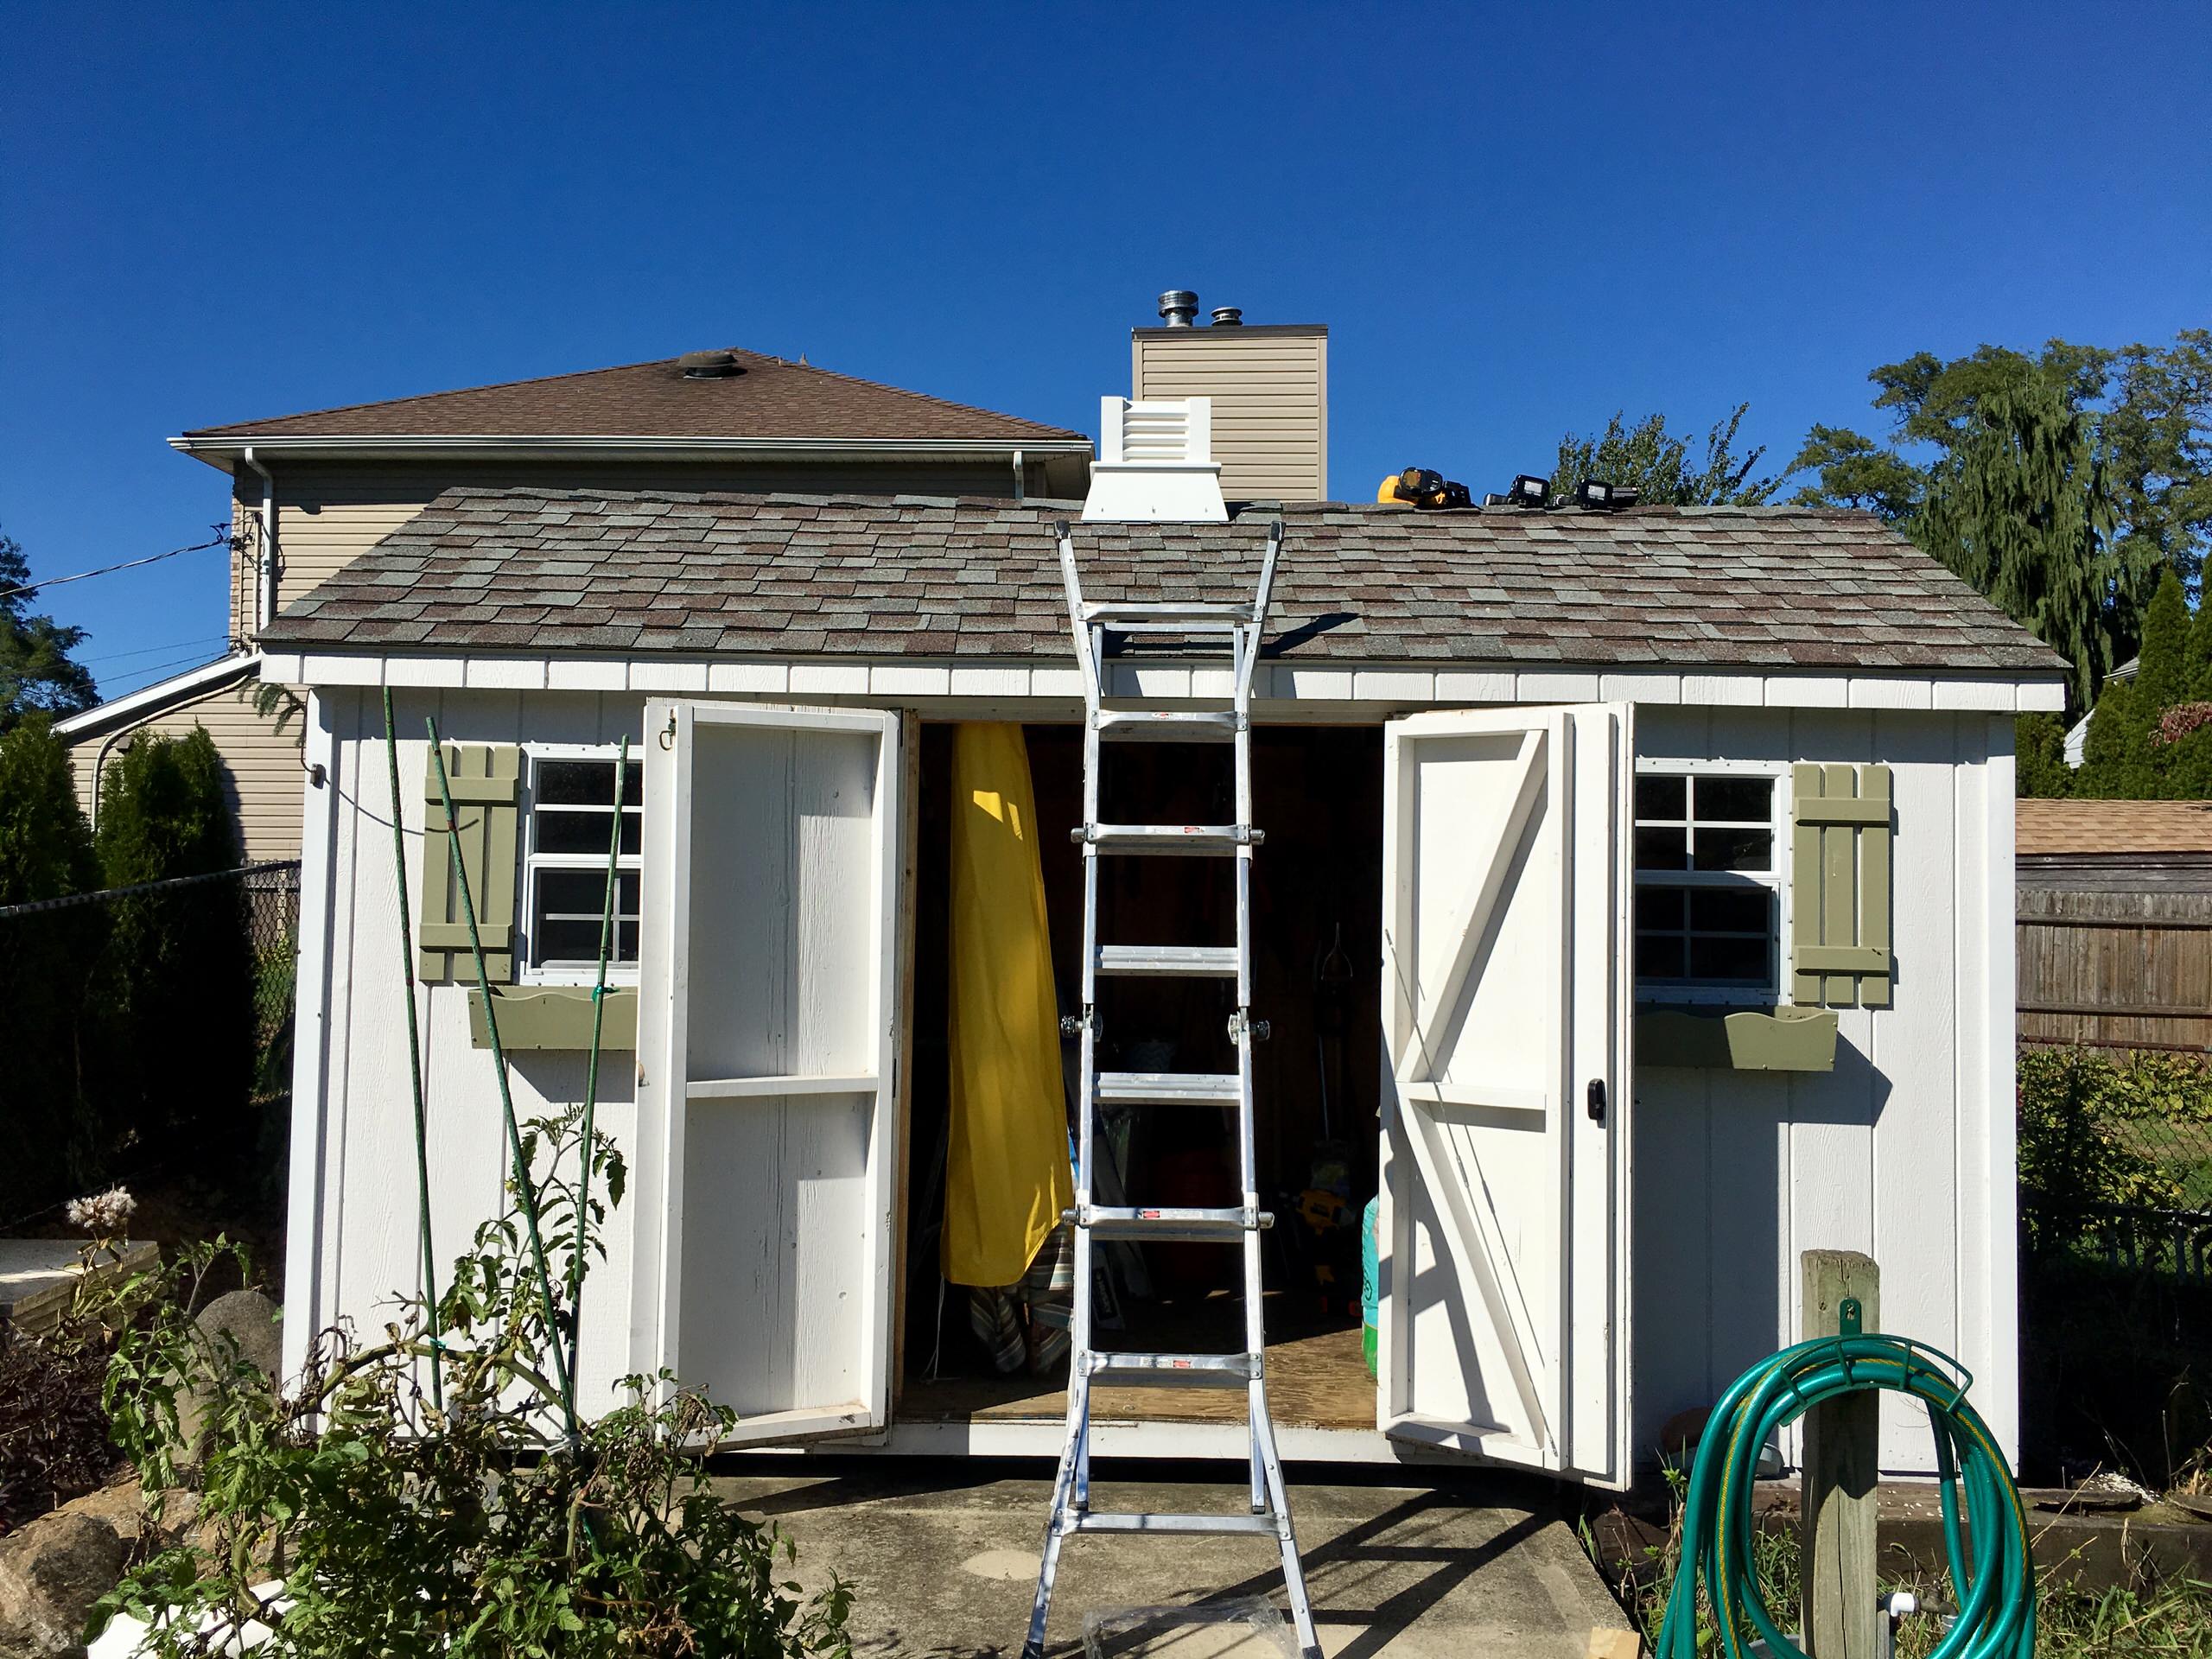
[2120,829]
[770,399]
[871,577]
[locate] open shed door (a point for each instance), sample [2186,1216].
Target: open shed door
[1505,1013]
[767,1045]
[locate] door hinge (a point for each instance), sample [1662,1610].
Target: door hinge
[1595,1098]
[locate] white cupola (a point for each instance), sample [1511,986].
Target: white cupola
[1155,464]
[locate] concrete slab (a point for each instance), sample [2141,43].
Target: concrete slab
[942,1559]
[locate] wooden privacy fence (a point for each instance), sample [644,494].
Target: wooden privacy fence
[2116,954]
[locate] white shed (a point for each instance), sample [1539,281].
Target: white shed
[1684,838]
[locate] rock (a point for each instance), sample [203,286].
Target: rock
[51,1573]
[252,1321]
[248,1319]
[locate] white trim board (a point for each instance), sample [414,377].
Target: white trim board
[1374,686]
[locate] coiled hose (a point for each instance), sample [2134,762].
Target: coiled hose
[1994,1590]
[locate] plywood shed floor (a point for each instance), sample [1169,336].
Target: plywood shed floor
[1316,1379]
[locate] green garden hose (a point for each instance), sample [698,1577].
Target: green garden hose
[1994,1589]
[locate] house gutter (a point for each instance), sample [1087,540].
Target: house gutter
[265,604]
[223,451]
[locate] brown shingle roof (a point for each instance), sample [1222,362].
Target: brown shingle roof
[771,399]
[2049,829]
[633,572]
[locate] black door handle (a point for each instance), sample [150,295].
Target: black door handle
[1596,1099]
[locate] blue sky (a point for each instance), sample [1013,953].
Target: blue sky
[1514,221]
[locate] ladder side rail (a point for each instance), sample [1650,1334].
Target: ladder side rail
[1265,599]
[1086,659]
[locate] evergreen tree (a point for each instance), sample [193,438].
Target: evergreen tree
[1656,463]
[2115,755]
[36,671]
[2039,747]
[2021,514]
[178,974]
[2199,658]
[2163,678]
[45,852]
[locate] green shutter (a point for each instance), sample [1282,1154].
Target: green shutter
[1840,886]
[484,778]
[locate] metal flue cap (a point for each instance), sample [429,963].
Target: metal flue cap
[1180,307]
[1228,316]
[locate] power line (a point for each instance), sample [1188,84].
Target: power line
[148,650]
[153,674]
[223,538]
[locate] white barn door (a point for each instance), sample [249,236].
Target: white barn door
[766,1047]
[1505,1007]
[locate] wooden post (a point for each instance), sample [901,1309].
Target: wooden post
[1842,1472]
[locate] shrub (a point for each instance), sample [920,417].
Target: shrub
[2093,1132]
[455,1510]
[2040,744]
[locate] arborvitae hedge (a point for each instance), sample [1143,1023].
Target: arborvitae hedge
[2150,738]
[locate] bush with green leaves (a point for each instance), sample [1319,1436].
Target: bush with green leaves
[2093,1131]
[432,1491]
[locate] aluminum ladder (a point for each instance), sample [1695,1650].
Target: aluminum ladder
[1238,628]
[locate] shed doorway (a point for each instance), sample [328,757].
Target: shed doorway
[1317,895]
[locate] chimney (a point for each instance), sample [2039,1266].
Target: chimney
[1268,387]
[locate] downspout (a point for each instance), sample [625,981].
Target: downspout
[266,580]
[1018,496]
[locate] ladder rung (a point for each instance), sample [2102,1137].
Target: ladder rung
[1108,611]
[1168,961]
[1175,1370]
[1168,1088]
[1109,1521]
[1146,725]
[1188,1225]
[1167,840]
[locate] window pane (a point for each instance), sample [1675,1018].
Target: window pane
[1734,849]
[582,893]
[1731,910]
[578,941]
[1735,799]
[1735,961]
[1660,908]
[1661,850]
[585,783]
[1659,956]
[584,832]
[1660,798]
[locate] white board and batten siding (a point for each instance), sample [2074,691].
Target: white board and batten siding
[1903,1151]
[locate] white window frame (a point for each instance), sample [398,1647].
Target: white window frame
[1777,879]
[527,971]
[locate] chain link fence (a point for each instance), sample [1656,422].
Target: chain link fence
[147,1031]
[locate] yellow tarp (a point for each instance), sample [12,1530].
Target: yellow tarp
[1007,1177]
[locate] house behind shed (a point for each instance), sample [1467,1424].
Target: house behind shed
[1733,788]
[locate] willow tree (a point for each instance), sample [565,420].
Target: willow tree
[2023,511]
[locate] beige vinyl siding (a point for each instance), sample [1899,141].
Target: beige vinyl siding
[329,514]
[1270,391]
[264,766]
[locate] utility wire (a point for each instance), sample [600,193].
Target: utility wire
[223,539]
[148,650]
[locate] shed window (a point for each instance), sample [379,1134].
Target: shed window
[565,864]
[1708,898]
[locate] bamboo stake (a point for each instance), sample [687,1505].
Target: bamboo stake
[591,1070]
[526,1189]
[414,1057]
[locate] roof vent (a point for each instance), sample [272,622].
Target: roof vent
[1180,307]
[709,365]
[1155,464]
[1228,316]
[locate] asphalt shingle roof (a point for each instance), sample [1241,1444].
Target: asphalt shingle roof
[771,398]
[2045,828]
[633,573]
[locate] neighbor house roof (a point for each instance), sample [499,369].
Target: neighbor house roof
[633,573]
[762,399]
[2121,828]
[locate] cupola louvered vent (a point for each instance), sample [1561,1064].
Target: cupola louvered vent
[1155,464]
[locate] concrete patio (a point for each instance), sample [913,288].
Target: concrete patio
[943,1557]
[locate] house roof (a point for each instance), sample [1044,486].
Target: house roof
[143,704]
[2045,828]
[768,400]
[637,572]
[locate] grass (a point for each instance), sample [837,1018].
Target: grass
[2150,1617]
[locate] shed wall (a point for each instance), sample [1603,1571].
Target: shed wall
[1905,1150]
